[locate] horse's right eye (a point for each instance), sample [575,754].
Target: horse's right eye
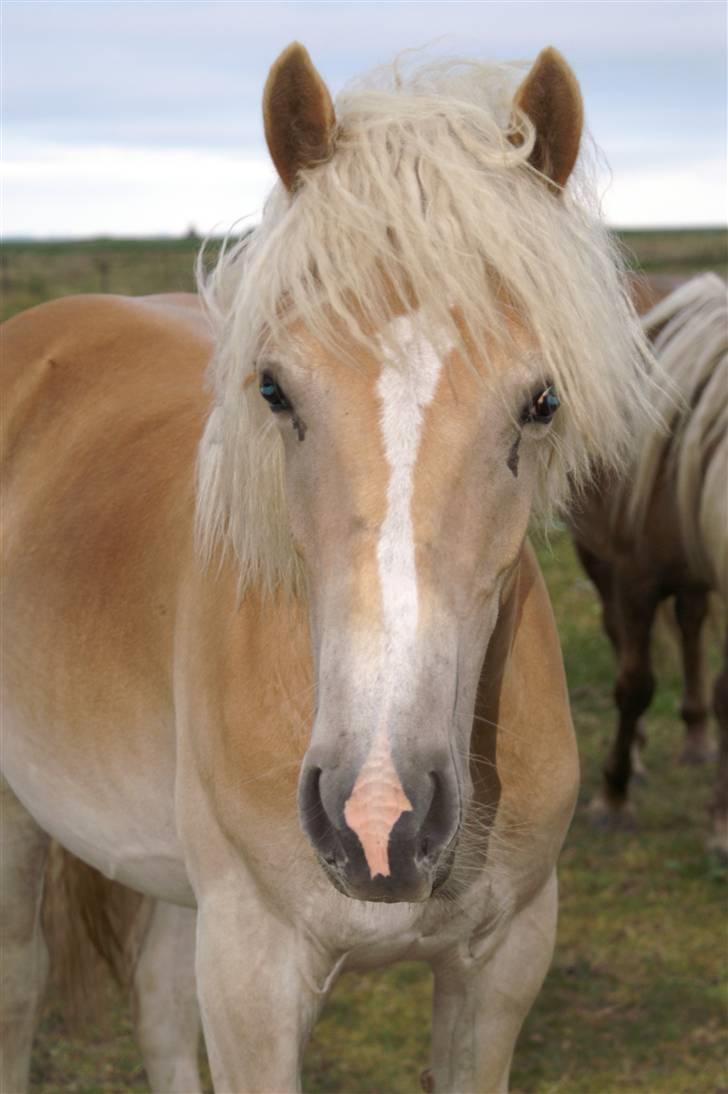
[273,394]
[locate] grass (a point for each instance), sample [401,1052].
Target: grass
[679,250]
[31,273]
[636,998]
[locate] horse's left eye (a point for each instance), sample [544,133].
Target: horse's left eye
[542,407]
[273,394]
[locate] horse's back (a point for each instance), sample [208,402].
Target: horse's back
[103,401]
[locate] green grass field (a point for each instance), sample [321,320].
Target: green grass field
[33,272]
[636,998]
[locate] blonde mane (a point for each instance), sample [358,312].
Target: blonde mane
[428,195]
[689,329]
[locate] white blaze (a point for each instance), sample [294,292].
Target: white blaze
[406,387]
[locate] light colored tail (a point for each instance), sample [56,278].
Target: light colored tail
[689,332]
[89,922]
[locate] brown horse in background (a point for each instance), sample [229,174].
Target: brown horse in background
[661,531]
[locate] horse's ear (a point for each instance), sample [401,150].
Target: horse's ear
[298,115]
[551,98]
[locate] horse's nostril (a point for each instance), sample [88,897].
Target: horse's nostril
[313,814]
[440,820]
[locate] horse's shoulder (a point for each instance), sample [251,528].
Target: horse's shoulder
[84,353]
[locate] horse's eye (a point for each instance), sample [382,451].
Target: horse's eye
[273,394]
[542,407]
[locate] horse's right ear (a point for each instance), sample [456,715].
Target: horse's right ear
[298,115]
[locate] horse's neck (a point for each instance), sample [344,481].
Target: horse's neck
[523,746]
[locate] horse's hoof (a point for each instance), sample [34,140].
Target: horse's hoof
[427,1081]
[610,816]
[696,753]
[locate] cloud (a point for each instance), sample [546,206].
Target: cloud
[651,196]
[87,191]
[186,79]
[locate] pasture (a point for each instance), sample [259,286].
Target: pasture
[636,997]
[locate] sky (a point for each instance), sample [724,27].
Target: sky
[142,117]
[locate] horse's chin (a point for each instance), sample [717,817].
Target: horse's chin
[381,890]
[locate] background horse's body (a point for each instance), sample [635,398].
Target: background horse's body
[661,531]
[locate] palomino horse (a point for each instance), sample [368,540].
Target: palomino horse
[335,723]
[662,531]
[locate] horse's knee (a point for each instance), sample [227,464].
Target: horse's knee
[634,690]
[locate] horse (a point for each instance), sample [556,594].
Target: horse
[661,532]
[278,653]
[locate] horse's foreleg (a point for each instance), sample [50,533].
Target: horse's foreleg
[719,808]
[633,691]
[23,953]
[601,574]
[691,609]
[167,1016]
[605,578]
[258,994]
[480,1001]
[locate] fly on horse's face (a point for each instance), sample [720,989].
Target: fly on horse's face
[409,483]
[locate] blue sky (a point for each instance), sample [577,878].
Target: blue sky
[143,116]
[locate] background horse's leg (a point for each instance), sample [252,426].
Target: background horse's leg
[601,574]
[260,987]
[719,810]
[604,577]
[480,1002]
[691,609]
[167,1016]
[23,953]
[636,606]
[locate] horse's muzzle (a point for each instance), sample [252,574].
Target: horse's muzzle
[417,855]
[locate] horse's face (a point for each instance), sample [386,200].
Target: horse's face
[409,482]
[410,476]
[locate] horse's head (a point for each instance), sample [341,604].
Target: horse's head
[409,491]
[410,366]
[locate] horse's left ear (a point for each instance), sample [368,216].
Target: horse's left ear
[551,98]
[298,114]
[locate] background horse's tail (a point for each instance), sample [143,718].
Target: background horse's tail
[89,922]
[689,332]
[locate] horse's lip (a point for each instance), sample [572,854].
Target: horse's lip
[332,873]
[339,882]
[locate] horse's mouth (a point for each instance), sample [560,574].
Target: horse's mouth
[385,890]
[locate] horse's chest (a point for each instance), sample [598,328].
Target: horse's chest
[368,936]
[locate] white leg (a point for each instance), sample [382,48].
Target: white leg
[480,1005]
[260,993]
[165,1001]
[23,953]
